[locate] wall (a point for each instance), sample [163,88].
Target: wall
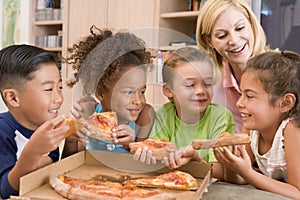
[24,27]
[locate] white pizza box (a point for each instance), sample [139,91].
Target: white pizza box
[93,163]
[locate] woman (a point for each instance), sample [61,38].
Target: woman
[231,33]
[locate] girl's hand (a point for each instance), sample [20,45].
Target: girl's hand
[84,107]
[123,134]
[182,157]
[238,161]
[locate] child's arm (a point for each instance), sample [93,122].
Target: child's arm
[44,140]
[242,166]
[144,122]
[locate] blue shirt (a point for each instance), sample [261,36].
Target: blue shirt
[13,138]
[97,144]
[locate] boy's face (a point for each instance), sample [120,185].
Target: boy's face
[127,98]
[41,98]
[191,90]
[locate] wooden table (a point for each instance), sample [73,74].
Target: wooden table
[221,190]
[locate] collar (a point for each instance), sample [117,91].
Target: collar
[228,79]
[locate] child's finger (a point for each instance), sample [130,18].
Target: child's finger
[149,157]
[137,154]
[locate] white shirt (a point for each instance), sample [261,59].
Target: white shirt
[272,163]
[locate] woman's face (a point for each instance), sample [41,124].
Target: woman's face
[232,37]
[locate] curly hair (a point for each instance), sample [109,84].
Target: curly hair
[115,53]
[279,73]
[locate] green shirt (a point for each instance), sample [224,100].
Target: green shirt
[215,120]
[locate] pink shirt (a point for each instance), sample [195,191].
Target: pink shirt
[227,93]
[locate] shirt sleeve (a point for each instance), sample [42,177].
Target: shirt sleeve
[161,127]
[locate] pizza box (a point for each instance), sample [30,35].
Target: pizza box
[92,163]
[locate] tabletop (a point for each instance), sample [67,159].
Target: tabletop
[221,190]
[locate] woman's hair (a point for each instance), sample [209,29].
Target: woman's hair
[279,73]
[185,55]
[208,16]
[135,57]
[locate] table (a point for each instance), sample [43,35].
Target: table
[222,191]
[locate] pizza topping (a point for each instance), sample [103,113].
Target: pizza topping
[74,188]
[102,125]
[172,180]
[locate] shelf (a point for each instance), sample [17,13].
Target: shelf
[46,23]
[172,48]
[184,14]
[53,49]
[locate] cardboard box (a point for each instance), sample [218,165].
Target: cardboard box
[88,164]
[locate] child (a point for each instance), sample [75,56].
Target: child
[270,108]
[31,88]
[188,76]
[121,87]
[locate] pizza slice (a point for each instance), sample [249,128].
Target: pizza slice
[77,189]
[132,192]
[177,180]
[81,189]
[73,123]
[160,148]
[224,139]
[101,125]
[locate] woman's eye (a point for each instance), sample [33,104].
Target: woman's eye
[189,85]
[240,28]
[48,89]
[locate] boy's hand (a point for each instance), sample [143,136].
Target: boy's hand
[144,155]
[123,134]
[182,157]
[47,138]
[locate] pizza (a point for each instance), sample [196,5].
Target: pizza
[73,123]
[224,139]
[81,189]
[177,180]
[101,125]
[160,148]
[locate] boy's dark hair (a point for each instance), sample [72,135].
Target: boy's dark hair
[19,62]
[279,73]
[113,48]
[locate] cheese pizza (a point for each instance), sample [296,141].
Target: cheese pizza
[73,123]
[224,139]
[101,125]
[177,180]
[81,189]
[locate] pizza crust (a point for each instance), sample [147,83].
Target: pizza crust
[222,140]
[73,123]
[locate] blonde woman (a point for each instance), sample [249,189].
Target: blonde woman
[230,32]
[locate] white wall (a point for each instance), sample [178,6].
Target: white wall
[24,30]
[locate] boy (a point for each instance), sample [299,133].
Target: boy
[188,76]
[31,89]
